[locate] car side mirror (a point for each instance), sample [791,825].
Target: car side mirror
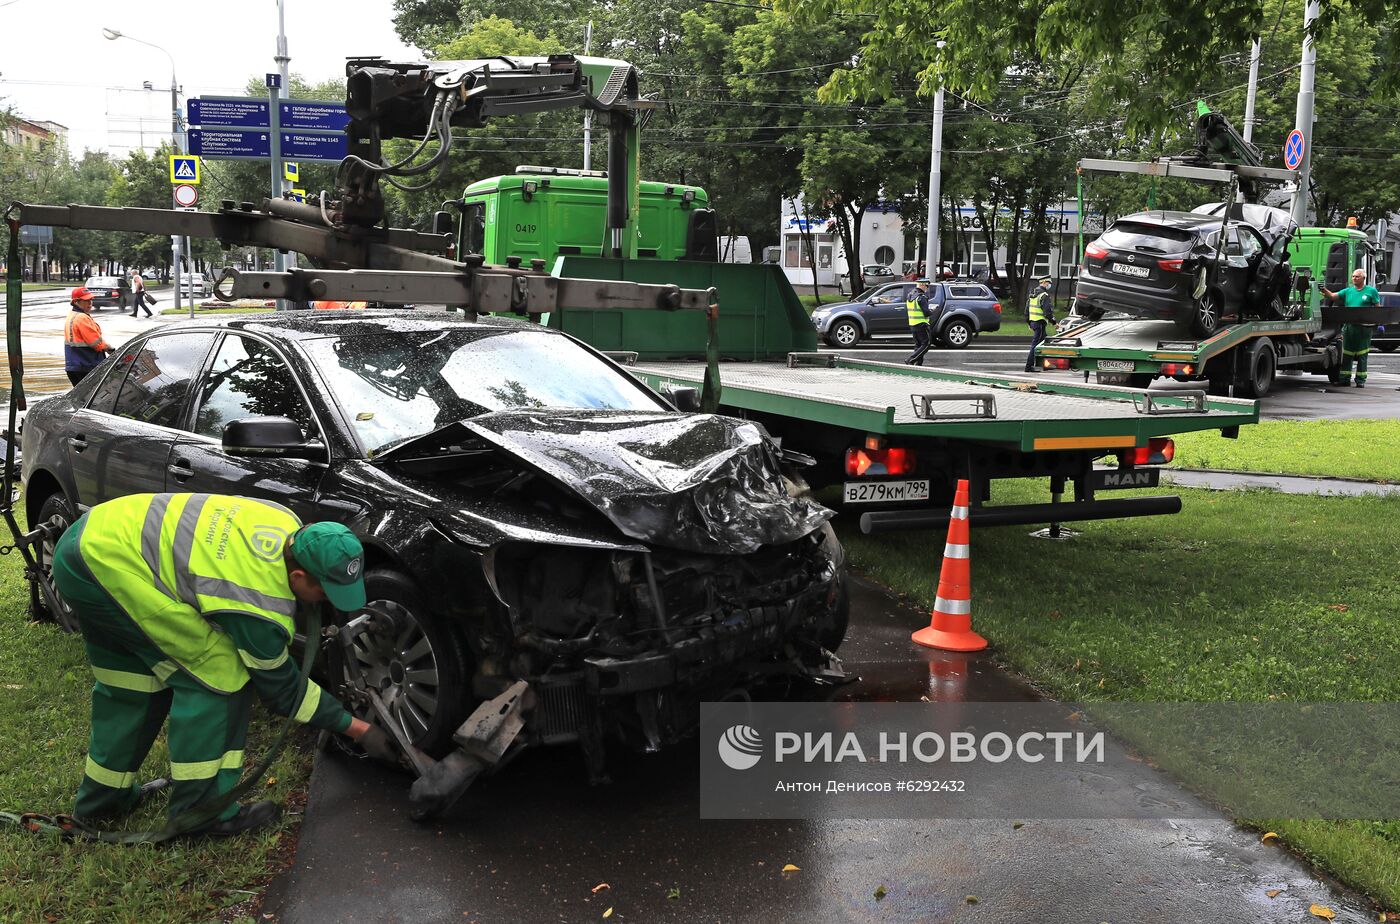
[270,437]
[684,397]
[442,222]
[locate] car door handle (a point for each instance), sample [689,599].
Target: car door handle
[78,443]
[180,468]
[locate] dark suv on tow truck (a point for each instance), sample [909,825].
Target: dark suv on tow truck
[1174,266]
[529,510]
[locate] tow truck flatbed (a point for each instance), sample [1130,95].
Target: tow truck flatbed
[1153,346]
[1032,414]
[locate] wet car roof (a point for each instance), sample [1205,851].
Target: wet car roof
[1176,219]
[305,325]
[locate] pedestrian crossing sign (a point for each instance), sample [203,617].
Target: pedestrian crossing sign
[184,168]
[298,195]
[291,171]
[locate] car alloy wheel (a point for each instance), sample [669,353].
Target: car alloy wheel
[397,659]
[845,334]
[957,334]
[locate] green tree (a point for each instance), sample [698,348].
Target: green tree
[1146,57]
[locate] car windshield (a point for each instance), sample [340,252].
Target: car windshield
[394,385]
[1131,235]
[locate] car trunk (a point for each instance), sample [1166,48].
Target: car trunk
[1136,253]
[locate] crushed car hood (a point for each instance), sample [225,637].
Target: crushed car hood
[698,482]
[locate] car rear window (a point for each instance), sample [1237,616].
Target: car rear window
[1132,235]
[967,292]
[102,282]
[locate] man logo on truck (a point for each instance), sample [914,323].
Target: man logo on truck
[1128,479]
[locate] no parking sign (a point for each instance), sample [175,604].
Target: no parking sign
[1293,149]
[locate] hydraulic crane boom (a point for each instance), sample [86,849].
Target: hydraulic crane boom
[342,234]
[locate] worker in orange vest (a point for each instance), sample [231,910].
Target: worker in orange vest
[83,346]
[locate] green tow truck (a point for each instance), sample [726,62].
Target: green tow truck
[896,438]
[1240,359]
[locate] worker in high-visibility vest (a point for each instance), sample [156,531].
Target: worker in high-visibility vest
[1040,313]
[83,346]
[186,605]
[1356,338]
[917,313]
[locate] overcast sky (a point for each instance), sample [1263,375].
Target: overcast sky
[57,66]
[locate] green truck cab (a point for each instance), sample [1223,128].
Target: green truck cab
[541,213]
[1329,255]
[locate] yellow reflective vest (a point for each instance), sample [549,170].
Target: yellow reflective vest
[915,308]
[172,561]
[1039,308]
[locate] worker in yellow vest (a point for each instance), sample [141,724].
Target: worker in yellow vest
[917,313]
[1040,313]
[186,605]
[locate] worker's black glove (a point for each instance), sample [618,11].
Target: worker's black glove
[378,745]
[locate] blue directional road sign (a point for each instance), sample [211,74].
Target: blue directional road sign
[314,115]
[1293,149]
[331,146]
[231,143]
[229,112]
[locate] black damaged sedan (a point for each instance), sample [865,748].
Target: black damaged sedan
[529,510]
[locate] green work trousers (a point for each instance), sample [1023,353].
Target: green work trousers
[1356,345]
[137,688]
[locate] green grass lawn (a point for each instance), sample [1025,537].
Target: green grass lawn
[46,686]
[42,286]
[1243,596]
[1368,449]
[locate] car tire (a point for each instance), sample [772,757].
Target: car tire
[418,666]
[54,509]
[1205,315]
[956,334]
[1256,374]
[844,334]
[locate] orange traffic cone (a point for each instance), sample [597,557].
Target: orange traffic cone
[950,627]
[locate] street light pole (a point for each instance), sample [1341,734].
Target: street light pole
[935,176]
[279,183]
[1253,92]
[1304,120]
[175,140]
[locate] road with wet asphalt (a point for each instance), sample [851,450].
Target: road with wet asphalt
[531,844]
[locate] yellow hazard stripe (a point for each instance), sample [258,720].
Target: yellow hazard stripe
[262,664]
[205,769]
[126,680]
[1085,442]
[113,778]
[309,702]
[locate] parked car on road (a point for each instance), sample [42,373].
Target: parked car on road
[967,309]
[195,285]
[871,276]
[110,291]
[529,511]
[1176,266]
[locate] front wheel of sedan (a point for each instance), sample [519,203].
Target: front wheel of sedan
[1205,316]
[412,659]
[56,512]
[843,334]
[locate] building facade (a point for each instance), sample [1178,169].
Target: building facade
[810,243]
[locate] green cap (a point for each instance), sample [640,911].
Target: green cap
[332,555]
